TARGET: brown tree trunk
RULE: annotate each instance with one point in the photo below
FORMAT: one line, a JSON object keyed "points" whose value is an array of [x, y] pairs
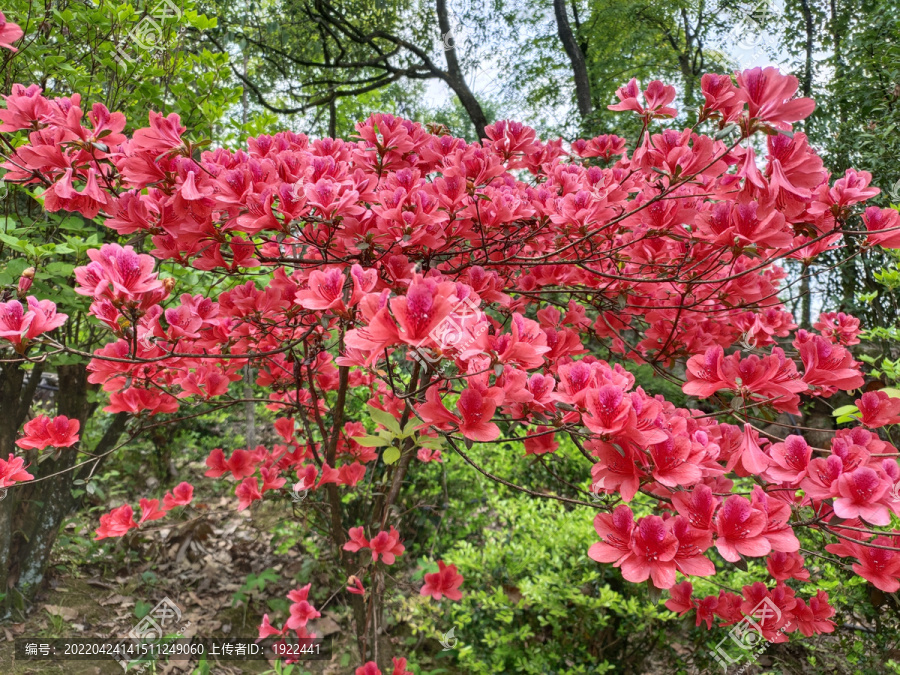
{"points": [[31, 514], [455, 79], [806, 83], [576, 57]]}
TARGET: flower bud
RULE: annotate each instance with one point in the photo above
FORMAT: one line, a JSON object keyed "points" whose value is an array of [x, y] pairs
{"points": [[25, 281]]}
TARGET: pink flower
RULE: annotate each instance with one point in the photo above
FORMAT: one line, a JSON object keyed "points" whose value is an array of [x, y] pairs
{"points": [[60, 432], [329, 475], [423, 310], [163, 135], [271, 479], [789, 460], [12, 471], [266, 629], [477, 411], [778, 532], [674, 463], [355, 585], [703, 376], [657, 95], [150, 510], [653, 549], [240, 464], [721, 96], [615, 531], [689, 559], [770, 622], [877, 409], [821, 477], [617, 470], [878, 565], [284, 426], [783, 566], [25, 281], [369, 668], [325, 291], [247, 492], [609, 410], [813, 618], [433, 412], [860, 493], [706, 610], [387, 545], [118, 273], [9, 33], [63, 195], [20, 327], [680, 600], [24, 106], [604, 146], [351, 474], [45, 317], [543, 442], [749, 460], [399, 666], [698, 506], [769, 95], [116, 523], [357, 540], [301, 611], [739, 530], [446, 581], [427, 455], [829, 366], [839, 327], [181, 495], [883, 226]]}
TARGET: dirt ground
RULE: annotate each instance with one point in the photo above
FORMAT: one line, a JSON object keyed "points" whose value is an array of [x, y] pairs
{"points": [[199, 565]]}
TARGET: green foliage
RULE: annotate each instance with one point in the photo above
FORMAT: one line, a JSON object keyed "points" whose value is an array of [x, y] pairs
{"points": [[77, 48], [254, 584], [533, 601]]}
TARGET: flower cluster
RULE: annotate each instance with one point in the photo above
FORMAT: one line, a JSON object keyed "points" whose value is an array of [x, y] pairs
{"points": [[464, 292], [120, 520], [729, 608], [60, 432], [21, 326]]}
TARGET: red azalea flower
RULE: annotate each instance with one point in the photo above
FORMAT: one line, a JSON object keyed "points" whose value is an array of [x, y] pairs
{"points": [[116, 523], [445, 582]]}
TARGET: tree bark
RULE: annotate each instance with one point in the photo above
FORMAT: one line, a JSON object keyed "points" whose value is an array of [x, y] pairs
{"points": [[808, 48], [454, 75], [806, 87], [31, 514], [576, 57]]}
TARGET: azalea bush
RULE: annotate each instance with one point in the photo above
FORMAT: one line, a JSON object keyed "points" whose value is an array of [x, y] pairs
{"points": [[402, 295]]}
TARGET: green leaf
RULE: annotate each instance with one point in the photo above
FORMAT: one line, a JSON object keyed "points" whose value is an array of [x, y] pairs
{"points": [[430, 442], [385, 419], [142, 608], [844, 410], [372, 441], [391, 455]]}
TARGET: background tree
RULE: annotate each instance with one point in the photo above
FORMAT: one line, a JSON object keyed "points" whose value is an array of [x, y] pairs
{"points": [[75, 47]]}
